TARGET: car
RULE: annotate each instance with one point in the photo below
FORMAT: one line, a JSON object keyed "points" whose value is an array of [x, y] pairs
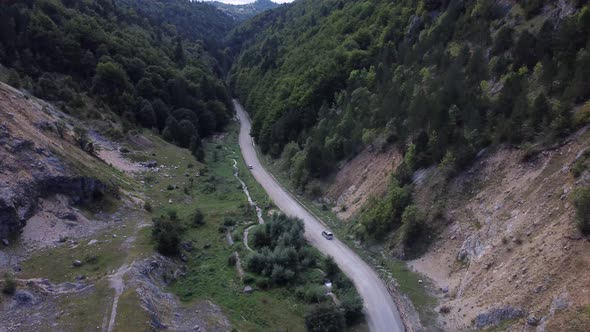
{"points": [[250, 167], [328, 235]]}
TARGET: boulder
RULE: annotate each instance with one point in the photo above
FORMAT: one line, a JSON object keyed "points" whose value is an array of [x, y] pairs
{"points": [[76, 263], [248, 290]]}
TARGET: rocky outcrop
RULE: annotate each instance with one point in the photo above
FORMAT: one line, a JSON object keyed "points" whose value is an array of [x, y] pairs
{"points": [[496, 316], [19, 203]]}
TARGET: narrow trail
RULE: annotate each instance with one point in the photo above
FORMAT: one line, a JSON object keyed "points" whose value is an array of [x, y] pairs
{"points": [[118, 284], [246, 232]]}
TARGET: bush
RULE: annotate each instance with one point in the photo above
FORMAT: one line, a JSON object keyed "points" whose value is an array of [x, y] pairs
{"points": [[9, 284], [147, 206], [166, 234], [330, 267], [324, 318], [312, 293], [412, 225], [582, 204], [198, 218], [352, 305]]}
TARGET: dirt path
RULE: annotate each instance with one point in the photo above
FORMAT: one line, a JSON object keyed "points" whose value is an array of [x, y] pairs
{"points": [[380, 310], [118, 284], [246, 232]]}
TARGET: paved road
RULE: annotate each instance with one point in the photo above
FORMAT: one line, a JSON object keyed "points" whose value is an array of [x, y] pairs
{"points": [[380, 310]]}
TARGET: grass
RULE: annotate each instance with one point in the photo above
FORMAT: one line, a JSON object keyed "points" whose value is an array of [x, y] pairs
{"points": [[217, 193], [99, 259], [407, 280]]}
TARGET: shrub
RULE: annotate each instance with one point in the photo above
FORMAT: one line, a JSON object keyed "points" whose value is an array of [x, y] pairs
{"points": [[61, 128], [412, 225], [352, 305], [198, 218], [147, 206], [166, 234], [231, 260], [312, 293], [9, 284], [330, 267], [324, 318], [582, 204], [173, 214]]}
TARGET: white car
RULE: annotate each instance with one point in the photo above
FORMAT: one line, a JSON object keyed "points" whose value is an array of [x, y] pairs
{"points": [[250, 167], [328, 235]]}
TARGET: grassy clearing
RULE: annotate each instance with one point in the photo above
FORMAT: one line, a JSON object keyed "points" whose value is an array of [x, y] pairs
{"points": [[217, 193], [130, 317], [407, 280], [98, 259]]}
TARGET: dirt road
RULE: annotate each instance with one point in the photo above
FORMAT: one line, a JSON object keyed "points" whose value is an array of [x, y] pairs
{"points": [[380, 310]]}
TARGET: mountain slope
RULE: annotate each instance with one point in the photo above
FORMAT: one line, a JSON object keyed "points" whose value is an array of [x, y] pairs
{"points": [[122, 61], [245, 11], [328, 78]]}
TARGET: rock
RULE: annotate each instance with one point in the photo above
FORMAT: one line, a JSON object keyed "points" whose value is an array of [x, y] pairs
{"points": [[420, 281], [532, 320], [497, 315], [5, 242], [17, 268], [183, 258], [80, 277], [207, 246], [188, 246], [76, 263], [444, 290], [248, 290], [23, 298], [150, 164]]}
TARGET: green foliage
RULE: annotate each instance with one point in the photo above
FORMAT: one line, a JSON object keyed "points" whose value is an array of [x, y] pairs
{"points": [[9, 284], [322, 82], [385, 214], [142, 61], [352, 305], [166, 233], [324, 318], [198, 218], [279, 256], [582, 204], [412, 225]]}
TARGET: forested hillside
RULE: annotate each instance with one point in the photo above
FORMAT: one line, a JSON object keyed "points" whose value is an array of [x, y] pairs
{"points": [[245, 11], [130, 62], [443, 79]]}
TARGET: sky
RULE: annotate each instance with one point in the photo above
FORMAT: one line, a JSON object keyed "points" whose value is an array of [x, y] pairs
{"points": [[241, 2]]}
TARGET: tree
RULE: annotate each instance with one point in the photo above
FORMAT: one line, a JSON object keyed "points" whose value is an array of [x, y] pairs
{"points": [[503, 40], [198, 218], [179, 57], [171, 130], [166, 234], [324, 318], [110, 81], [146, 115]]}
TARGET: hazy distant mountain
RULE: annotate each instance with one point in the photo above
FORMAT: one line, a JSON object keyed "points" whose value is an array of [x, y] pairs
{"points": [[242, 12]]}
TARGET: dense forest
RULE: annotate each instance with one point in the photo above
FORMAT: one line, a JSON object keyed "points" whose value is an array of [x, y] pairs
{"points": [[326, 78], [247, 10], [442, 79], [130, 62]]}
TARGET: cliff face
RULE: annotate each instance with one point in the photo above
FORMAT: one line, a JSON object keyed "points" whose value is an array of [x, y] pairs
{"points": [[31, 165], [504, 248]]}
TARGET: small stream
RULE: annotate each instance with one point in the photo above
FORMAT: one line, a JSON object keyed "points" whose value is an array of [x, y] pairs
{"points": [[245, 189]]}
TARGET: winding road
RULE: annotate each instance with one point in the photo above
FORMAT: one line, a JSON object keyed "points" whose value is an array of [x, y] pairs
{"points": [[380, 310]]}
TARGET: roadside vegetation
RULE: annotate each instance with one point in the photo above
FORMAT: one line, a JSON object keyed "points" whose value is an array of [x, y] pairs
{"points": [[192, 221]]}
